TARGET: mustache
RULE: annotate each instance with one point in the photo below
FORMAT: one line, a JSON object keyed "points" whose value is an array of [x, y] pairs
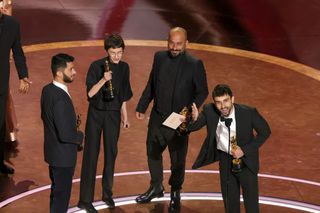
{"points": [[175, 49]]}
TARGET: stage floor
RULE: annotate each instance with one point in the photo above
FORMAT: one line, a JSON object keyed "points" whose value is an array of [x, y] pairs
{"points": [[284, 92]]}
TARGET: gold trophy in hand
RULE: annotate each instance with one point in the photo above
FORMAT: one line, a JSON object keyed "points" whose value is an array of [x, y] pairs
{"points": [[108, 90], [78, 123], [186, 112], [236, 162]]}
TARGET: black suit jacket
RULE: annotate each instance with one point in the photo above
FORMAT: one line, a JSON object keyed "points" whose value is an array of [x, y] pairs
{"points": [[10, 39], [61, 137], [191, 83], [247, 120]]}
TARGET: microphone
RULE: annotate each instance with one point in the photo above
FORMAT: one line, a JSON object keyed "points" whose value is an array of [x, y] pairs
{"points": [[227, 121]]}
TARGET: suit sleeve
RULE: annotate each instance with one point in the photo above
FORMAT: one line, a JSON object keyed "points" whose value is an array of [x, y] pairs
{"points": [[263, 131], [147, 95], [65, 124], [199, 123], [18, 55], [92, 77], [200, 84]]}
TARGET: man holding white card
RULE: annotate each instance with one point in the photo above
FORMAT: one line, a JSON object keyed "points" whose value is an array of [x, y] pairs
{"points": [[177, 80]]}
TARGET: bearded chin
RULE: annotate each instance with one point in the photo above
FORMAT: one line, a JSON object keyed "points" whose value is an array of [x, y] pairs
{"points": [[66, 79], [175, 54]]}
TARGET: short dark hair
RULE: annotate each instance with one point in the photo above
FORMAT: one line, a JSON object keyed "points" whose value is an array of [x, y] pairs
{"points": [[60, 61], [221, 90], [113, 41]]}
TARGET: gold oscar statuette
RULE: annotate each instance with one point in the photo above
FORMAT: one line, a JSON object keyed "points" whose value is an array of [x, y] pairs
{"points": [[108, 90], [78, 123], [236, 162], [182, 129]]}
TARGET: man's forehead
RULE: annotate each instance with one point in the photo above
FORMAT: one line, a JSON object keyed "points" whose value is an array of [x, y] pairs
{"points": [[115, 49], [223, 97]]}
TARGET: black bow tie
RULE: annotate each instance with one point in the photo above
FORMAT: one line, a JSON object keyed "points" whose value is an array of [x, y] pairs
{"points": [[227, 121]]}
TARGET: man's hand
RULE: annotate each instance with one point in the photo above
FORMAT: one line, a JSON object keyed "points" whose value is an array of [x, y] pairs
{"points": [[139, 115], [195, 112], [6, 7], [125, 124], [24, 85], [237, 153], [107, 75]]}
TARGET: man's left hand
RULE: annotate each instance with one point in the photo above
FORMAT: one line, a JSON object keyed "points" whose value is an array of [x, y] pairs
{"points": [[237, 153]]}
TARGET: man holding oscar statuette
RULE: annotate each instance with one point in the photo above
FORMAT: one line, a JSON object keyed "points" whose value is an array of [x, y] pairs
{"points": [[108, 90], [177, 79], [230, 129], [61, 134]]}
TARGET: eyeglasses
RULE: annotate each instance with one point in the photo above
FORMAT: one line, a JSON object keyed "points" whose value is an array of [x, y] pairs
{"points": [[116, 53]]}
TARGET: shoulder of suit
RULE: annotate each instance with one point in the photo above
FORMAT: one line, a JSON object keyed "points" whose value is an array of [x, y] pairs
{"points": [[244, 107], [209, 107], [162, 53], [191, 58], [51, 88], [47, 87]]}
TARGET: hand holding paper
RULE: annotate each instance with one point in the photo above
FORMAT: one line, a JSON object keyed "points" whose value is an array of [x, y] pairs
{"points": [[174, 120]]}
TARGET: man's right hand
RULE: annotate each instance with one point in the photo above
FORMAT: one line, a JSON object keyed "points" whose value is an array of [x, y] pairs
{"points": [[107, 75], [195, 112], [24, 85], [139, 115]]}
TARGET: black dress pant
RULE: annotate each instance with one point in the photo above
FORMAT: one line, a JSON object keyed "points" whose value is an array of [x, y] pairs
{"points": [[61, 184], [3, 109], [99, 121], [159, 137], [246, 179]]}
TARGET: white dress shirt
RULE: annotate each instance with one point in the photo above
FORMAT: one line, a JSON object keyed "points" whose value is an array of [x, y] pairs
{"points": [[62, 86], [222, 134]]}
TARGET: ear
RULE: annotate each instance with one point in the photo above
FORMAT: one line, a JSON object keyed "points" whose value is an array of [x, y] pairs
{"points": [[232, 99], [59, 73], [187, 43]]}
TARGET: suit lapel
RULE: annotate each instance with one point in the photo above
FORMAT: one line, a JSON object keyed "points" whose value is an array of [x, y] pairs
{"points": [[239, 119], [214, 118]]}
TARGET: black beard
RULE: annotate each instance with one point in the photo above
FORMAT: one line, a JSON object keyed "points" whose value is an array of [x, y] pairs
{"points": [[176, 55], [66, 79]]}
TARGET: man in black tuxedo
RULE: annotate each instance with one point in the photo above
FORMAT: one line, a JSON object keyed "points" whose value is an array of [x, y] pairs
{"points": [[177, 79], [222, 117], [61, 137], [9, 39]]}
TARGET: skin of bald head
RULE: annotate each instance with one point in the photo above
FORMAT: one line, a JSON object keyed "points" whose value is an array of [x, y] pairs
{"points": [[177, 41]]}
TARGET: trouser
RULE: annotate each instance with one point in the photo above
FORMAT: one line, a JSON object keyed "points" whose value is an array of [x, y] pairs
{"points": [[159, 137], [230, 186], [61, 184], [11, 120], [3, 107], [109, 123]]}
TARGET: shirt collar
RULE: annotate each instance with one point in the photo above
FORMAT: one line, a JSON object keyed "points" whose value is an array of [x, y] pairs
{"points": [[61, 86]]}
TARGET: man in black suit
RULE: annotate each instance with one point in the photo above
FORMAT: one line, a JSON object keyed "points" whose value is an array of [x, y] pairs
{"points": [[177, 79], [9, 39], [61, 137], [222, 118]]}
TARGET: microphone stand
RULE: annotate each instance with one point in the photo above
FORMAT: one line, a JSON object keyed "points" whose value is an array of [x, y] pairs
{"points": [[228, 122]]}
